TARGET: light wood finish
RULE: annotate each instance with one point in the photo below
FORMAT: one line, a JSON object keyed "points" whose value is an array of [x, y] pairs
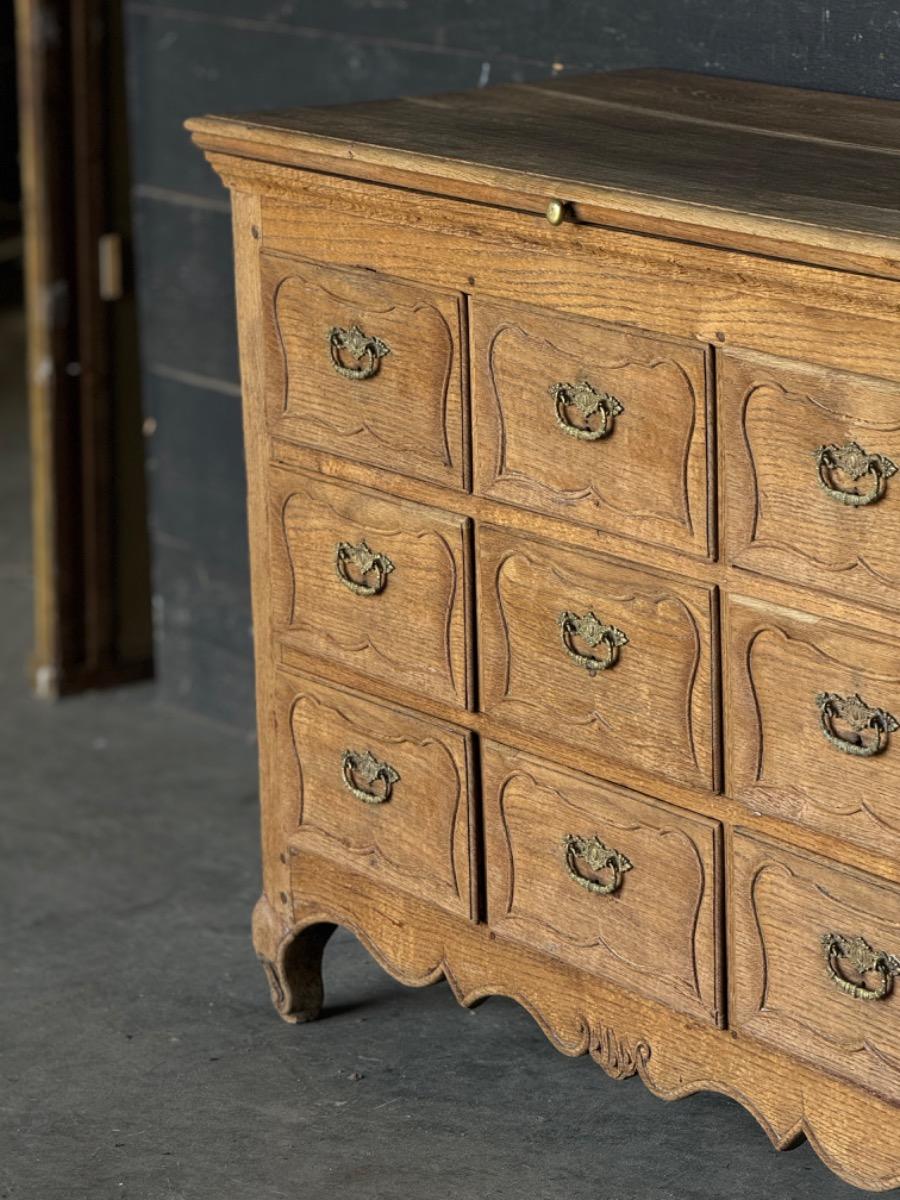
{"points": [[779, 663], [646, 477], [409, 412], [414, 631], [772, 257], [782, 991], [657, 932], [779, 518], [415, 831], [716, 160], [624, 1034], [652, 707]]}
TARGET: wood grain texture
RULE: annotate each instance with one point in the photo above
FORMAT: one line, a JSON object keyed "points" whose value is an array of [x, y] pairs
{"points": [[653, 707], [813, 181], [833, 318], [418, 837], [416, 630], [410, 412], [625, 1034], [657, 933], [647, 478], [779, 760], [597, 631], [781, 992], [779, 519]]}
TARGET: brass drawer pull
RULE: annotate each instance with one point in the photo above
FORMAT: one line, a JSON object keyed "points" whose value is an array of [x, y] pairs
{"points": [[363, 767], [365, 350], [854, 462], [594, 633], [859, 719], [597, 858], [366, 562], [863, 960], [588, 403]]}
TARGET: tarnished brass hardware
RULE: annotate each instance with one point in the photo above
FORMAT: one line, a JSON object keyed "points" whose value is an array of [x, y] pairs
{"points": [[860, 719], [359, 766], [589, 403], [556, 212], [862, 960], [366, 562], [597, 858], [367, 351], [594, 633], [856, 463]]}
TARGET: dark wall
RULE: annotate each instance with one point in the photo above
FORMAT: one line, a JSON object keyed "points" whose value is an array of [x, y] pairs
{"points": [[221, 55]]}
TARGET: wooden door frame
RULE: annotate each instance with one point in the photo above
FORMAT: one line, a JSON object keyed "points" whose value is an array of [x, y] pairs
{"points": [[91, 564]]}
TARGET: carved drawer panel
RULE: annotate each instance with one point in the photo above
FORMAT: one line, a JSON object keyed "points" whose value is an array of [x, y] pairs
{"points": [[816, 961], [809, 462], [811, 731], [600, 425], [615, 883], [366, 367], [378, 789], [613, 661], [377, 585]]}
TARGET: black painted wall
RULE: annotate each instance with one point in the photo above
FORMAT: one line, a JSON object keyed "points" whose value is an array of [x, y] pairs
{"points": [[194, 56]]}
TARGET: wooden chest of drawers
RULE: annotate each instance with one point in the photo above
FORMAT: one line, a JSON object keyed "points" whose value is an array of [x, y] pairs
{"points": [[572, 413]]}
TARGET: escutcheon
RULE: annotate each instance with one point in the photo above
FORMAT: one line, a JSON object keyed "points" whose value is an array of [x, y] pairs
{"points": [[367, 564], [592, 631], [366, 351], [367, 777], [596, 411], [852, 726], [862, 961], [856, 464], [598, 858]]}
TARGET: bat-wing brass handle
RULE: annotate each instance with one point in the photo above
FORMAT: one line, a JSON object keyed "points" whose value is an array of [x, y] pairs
{"points": [[855, 464], [852, 726], [360, 569], [584, 413], [862, 961], [599, 859], [367, 777], [352, 344]]}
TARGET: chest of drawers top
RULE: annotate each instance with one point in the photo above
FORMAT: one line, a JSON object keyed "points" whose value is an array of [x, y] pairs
{"points": [[809, 175], [572, 415]]}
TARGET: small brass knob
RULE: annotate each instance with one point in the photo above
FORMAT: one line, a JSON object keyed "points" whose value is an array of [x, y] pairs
{"points": [[556, 212]]}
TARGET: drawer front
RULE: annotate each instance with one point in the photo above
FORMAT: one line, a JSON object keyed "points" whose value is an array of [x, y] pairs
{"points": [[596, 424], [802, 930], [378, 790], [811, 730], [810, 494], [377, 585], [611, 882], [366, 367], [612, 661]]}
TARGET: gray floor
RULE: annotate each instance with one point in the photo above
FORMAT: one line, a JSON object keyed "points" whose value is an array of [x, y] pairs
{"points": [[140, 1056]]}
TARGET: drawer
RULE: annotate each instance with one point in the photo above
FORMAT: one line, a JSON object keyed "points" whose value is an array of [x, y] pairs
{"points": [[377, 585], [377, 789], [612, 661], [603, 426], [614, 883], [809, 490], [815, 962], [366, 367], [810, 731]]}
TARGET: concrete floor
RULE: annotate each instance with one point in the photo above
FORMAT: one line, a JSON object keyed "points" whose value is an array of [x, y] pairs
{"points": [[140, 1057]]}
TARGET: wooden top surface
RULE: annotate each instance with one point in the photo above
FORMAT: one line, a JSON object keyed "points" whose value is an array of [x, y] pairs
{"points": [[810, 172]]}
